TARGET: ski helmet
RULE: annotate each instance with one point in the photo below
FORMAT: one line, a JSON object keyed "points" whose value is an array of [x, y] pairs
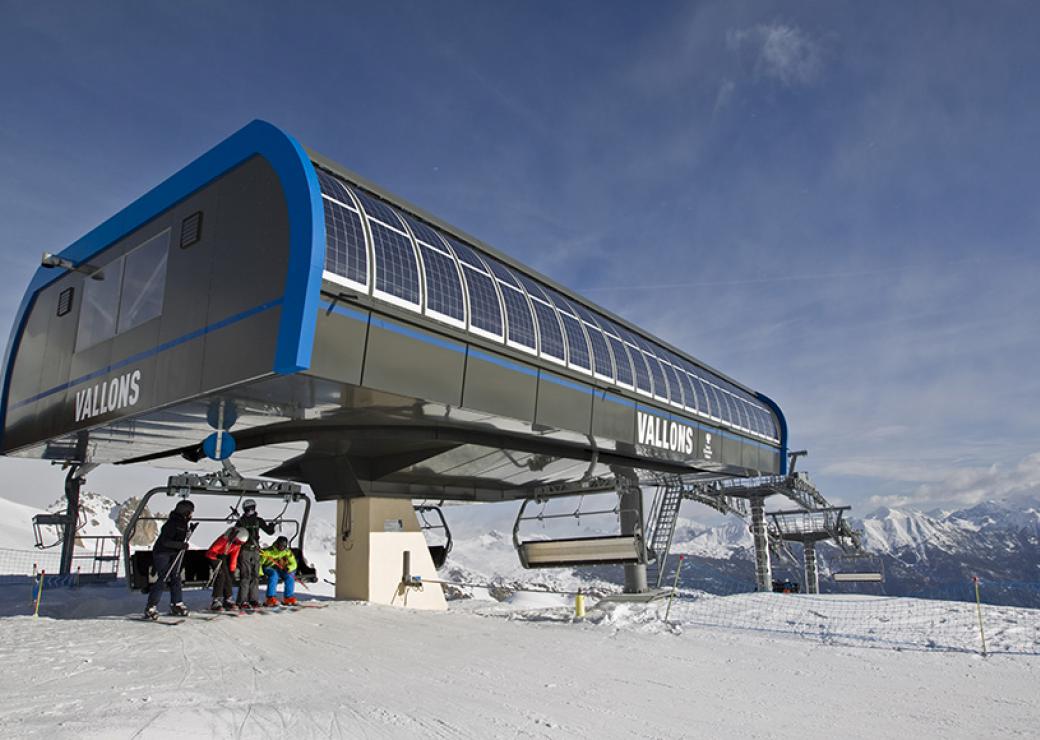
{"points": [[240, 534], [281, 542], [248, 504], [184, 507]]}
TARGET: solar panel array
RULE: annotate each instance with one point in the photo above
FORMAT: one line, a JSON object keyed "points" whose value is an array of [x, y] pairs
{"points": [[374, 247]]}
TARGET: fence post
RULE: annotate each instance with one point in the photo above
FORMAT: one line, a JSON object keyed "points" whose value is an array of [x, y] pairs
{"points": [[39, 594], [978, 606], [675, 586]]}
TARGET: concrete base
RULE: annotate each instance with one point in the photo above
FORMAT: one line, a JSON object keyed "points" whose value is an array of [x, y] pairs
{"points": [[369, 561]]}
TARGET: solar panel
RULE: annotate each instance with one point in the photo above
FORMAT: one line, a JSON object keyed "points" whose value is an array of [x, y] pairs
{"points": [[622, 363], [519, 320], [424, 233], [466, 254], [661, 385], [577, 345], [502, 272], [443, 284], [600, 354], [534, 289], [549, 335], [333, 188], [485, 313], [378, 209], [674, 384], [345, 252], [396, 271]]}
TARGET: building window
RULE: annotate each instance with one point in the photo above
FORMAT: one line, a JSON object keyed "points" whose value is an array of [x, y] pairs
{"points": [[144, 277], [124, 293]]}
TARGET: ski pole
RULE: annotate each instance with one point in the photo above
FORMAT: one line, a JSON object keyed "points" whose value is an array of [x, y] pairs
{"points": [[180, 556]]}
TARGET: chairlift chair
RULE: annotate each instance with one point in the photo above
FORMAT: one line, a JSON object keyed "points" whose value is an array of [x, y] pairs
{"points": [[431, 519], [859, 567], [567, 552], [196, 568]]}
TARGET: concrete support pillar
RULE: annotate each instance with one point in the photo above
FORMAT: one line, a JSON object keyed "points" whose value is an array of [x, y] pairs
{"points": [[812, 576], [381, 536], [763, 568], [630, 503]]}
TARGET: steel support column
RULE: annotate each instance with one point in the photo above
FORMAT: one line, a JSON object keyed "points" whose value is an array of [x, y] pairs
{"points": [[763, 568], [630, 509], [73, 483], [812, 576]]}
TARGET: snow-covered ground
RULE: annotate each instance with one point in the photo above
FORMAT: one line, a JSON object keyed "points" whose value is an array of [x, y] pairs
{"points": [[485, 669]]}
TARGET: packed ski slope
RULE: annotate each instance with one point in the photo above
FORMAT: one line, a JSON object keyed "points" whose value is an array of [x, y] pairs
{"points": [[483, 669]]}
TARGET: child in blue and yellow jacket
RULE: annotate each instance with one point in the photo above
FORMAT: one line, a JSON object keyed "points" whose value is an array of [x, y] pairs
{"points": [[279, 563]]}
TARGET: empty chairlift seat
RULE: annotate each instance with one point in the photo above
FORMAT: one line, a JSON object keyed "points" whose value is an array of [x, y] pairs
{"points": [[616, 549]]}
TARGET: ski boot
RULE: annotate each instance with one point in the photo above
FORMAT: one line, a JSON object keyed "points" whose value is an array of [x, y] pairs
{"points": [[255, 605], [216, 606], [289, 601], [271, 601], [230, 605], [151, 613], [179, 609]]}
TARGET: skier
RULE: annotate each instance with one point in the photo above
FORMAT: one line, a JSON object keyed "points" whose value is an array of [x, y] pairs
{"points": [[249, 558], [224, 552], [279, 563], [173, 539]]}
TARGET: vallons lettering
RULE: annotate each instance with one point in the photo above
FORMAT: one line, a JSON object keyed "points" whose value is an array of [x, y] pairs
{"points": [[665, 434], [109, 395]]}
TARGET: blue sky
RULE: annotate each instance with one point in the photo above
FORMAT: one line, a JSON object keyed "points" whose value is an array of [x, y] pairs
{"points": [[835, 203]]}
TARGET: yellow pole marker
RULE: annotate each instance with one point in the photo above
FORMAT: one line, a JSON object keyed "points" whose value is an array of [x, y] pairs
{"points": [[675, 587], [39, 595], [978, 605], [579, 605]]}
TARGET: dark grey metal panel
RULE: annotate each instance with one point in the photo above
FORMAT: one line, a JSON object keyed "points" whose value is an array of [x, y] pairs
{"points": [[501, 387], [241, 351], [730, 451], [749, 455], [613, 417], [251, 256], [563, 405], [178, 370], [339, 345], [398, 361]]}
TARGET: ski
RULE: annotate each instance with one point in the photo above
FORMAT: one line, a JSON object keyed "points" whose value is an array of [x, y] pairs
{"points": [[158, 620]]}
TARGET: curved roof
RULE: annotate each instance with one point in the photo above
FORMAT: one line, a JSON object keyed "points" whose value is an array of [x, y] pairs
{"points": [[395, 253]]}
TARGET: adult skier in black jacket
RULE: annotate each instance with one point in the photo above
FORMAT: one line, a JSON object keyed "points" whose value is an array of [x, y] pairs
{"points": [[173, 537], [249, 556]]}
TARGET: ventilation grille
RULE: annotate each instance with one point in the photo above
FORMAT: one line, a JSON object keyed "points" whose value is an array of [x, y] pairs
{"points": [[191, 229], [65, 301]]}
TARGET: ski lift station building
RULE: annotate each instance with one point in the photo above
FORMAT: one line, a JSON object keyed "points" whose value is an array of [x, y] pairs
{"points": [[266, 302]]}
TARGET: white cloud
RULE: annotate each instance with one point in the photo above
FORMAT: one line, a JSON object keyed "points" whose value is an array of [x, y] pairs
{"points": [[969, 486], [781, 52]]}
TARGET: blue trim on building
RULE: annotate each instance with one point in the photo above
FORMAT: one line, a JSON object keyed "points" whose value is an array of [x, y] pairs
{"points": [[138, 357], [416, 334], [563, 382], [502, 362], [783, 429], [341, 310], [306, 229]]}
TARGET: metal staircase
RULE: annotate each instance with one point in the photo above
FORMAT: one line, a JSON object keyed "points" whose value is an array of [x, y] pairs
{"points": [[664, 515]]}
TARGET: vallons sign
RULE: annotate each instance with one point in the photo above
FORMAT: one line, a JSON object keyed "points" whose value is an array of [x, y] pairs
{"points": [[109, 395], [666, 434]]}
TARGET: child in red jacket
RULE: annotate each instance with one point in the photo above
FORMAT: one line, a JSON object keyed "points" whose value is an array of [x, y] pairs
{"points": [[224, 551]]}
